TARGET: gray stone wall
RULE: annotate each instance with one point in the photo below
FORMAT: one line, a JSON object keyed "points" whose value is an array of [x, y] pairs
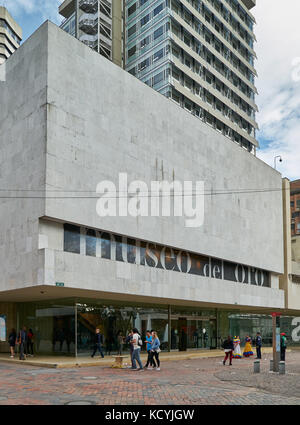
{"points": [[23, 97], [103, 121], [72, 119]]}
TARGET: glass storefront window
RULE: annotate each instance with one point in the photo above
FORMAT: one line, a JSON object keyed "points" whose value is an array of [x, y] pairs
{"points": [[193, 328], [58, 325], [243, 324], [52, 323], [115, 319]]}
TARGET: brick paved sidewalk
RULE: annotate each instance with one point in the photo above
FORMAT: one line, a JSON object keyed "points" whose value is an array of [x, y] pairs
{"points": [[287, 385], [189, 382]]}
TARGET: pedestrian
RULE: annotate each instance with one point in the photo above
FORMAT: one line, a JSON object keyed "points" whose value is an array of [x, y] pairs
{"points": [[237, 354], [282, 346], [30, 342], [12, 342], [248, 348], [137, 343], [128, 341], [150, 359], [228, 349], [155, 349], [120, 341], [22, 340], [258, 343], [98, 343]]}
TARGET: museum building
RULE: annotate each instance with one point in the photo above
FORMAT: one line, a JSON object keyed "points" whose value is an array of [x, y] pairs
{"points": [[65, 270]]}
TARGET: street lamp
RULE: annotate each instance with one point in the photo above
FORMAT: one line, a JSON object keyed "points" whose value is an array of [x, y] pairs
{"points": [[275, 158]]}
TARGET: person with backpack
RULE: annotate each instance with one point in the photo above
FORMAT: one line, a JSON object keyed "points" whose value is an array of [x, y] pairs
{"points": [[282, 346], [136, 343], [228, 349]]}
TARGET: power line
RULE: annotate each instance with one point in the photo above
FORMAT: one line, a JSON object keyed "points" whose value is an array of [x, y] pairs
{"points": [[117, 191], [141, 194]]}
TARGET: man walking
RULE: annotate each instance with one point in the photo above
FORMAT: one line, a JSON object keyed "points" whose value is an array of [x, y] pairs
{"points": [[136, 342], [98, 343], [282, 346], [22, 343], [128, 341], [258, 343]]}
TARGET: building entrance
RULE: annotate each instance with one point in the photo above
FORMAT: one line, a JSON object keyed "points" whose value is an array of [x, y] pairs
{"points": [[189, 332]]}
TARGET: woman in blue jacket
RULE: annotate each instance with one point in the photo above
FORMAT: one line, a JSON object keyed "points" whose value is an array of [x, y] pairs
{"points": [[155, 349]]}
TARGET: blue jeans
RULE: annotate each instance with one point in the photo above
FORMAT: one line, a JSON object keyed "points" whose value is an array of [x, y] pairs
{"points": [[98, 347], [136, 356], [258, 352]]}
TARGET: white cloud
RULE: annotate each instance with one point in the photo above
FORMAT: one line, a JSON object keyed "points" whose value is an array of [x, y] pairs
{"points": [[278, 50], [47, 9]]}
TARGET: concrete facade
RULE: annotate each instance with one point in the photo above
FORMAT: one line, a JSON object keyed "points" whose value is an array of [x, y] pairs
{"points": [[59, 143]]}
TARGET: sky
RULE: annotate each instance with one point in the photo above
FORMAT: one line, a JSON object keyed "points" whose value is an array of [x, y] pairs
{"points": [[278, 67]]}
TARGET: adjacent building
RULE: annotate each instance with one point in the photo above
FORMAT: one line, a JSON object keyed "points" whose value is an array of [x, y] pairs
{"points": [[66, 270], [295, 223], [10, 35], [97, 23], [200, 54], [290, 280]]}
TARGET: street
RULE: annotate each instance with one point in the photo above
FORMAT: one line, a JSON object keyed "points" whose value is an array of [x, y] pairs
{"points": [[188, 382]]}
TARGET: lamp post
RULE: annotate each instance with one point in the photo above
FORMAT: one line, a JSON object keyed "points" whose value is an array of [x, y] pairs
{"points": [[275, 158]]}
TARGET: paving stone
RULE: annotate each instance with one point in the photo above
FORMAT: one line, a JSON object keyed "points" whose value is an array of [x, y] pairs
{"points": [[203, 381]]}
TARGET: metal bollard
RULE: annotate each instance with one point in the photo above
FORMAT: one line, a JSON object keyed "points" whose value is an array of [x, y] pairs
{"points": [[256, 366], [271, 365], [281, 368]]}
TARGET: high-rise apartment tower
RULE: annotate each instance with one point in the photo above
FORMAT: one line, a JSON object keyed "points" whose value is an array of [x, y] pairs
{"points": [[97, 23], [200, 54], [10, 35]]}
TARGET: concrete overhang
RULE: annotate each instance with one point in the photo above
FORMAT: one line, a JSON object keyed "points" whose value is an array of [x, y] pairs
{"points": [[249, 3], [51, 293], [67, 8]]}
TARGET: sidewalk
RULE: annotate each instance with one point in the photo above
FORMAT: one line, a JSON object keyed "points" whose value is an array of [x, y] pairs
{"points": [[60, 362]]}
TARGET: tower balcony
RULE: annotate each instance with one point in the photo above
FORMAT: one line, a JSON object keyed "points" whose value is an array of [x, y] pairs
{"points": [[89, 26], [249, 3], [88, 6]]}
